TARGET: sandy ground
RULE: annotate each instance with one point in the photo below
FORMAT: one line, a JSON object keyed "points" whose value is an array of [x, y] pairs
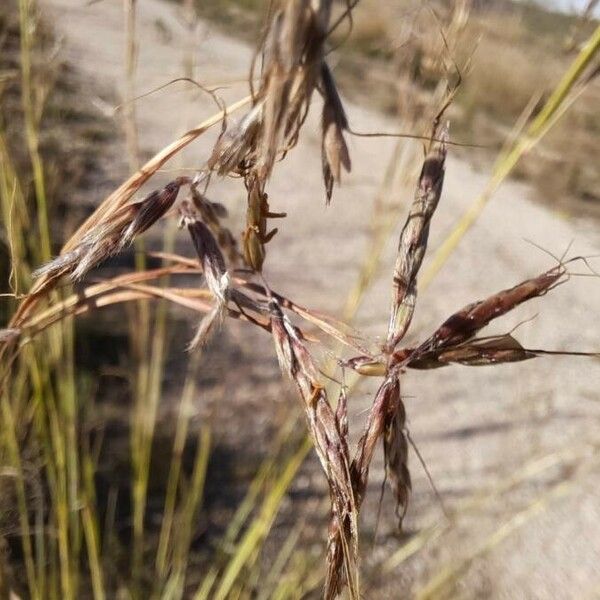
{"points": [[474, 427]]}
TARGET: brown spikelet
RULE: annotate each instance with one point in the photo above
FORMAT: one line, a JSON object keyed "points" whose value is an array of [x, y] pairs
{"points": [[382, 417], [385, 404], [395, 453], [212, 213], [234, 148], [330, 445], [214, 269], [334, 151], [292, 53], [334, 580], [478, 352], [112, 235], [293, 49], [413, 242], [151, 209], [465, 323]]}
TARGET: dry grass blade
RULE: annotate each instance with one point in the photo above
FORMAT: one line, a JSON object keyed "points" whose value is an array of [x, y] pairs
{"points": [[126, 288]]}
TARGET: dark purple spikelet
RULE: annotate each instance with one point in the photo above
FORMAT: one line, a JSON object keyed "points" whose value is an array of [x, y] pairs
{"points": [[152, 208], [215, 273]]}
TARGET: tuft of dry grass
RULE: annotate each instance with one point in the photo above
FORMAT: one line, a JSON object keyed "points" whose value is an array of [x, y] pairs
{"points": [[293, 55]]}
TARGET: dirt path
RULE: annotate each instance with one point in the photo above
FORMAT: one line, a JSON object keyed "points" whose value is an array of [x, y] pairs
{"points": [[475, 427]]}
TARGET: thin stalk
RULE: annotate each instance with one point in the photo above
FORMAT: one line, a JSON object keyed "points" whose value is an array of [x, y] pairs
{"points": [[30, 110], [192, 501], [263, 522], [183, 419], [91, 533], [12, 446]]}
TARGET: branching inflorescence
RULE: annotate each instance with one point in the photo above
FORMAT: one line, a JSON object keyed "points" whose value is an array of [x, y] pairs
{"points": [[293, 66]]}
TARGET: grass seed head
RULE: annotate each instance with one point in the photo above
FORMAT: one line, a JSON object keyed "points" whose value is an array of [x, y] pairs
{"points": [[413, 241], [112, 235], [214, 269], [334, 151]]}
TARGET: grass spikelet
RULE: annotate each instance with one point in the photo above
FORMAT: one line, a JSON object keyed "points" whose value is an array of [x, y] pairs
{"points": [[330, 445], [413, 242], [214, 269], [334, 150], [111, 236], [212, 213], [465, 323], [395, 454]]}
